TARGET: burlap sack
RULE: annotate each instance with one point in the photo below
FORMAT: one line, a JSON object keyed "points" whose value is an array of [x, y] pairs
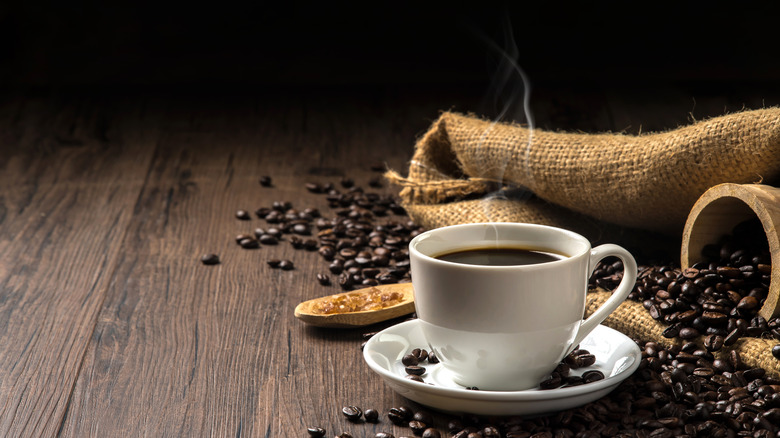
{"points": [[648, 181]]}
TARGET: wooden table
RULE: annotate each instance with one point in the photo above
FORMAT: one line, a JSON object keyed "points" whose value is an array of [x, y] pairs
{"points": [[109, 323]]}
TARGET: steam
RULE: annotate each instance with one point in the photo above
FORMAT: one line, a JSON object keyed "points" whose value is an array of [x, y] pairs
{"points": [[510, 92]]}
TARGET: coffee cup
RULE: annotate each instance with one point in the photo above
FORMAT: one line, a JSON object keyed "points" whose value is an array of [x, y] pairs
{"points": [[501, 304]]}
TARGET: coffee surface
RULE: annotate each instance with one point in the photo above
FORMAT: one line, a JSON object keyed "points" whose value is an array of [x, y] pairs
{"points": [[500, 256]]}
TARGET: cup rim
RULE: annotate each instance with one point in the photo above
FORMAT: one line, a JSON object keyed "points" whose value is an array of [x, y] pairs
{"points": [[431, 259]]}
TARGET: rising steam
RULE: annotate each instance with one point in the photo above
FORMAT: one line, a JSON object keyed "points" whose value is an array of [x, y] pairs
{"points": [[510, 93]]}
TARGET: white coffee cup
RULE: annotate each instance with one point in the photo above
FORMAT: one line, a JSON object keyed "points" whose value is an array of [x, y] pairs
{"points": [[507, 327]]}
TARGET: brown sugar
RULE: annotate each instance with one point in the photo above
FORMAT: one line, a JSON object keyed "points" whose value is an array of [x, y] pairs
{"points": [[358, 301]]}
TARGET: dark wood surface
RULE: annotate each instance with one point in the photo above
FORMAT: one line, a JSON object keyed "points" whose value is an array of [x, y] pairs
{"points": [[109, 323]]}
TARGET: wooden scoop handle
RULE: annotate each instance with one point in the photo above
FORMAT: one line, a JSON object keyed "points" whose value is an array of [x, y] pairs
{"points": [[721, 208]]}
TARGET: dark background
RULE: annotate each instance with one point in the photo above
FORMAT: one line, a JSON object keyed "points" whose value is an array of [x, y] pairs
{"points": [[244, 47]]}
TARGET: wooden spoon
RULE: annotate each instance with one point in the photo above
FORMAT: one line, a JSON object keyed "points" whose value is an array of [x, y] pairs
{"points": [[305, 310]]}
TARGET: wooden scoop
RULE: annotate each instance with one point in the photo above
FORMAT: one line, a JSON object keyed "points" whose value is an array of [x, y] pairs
{"points": [[306, 311], [721, 208]]}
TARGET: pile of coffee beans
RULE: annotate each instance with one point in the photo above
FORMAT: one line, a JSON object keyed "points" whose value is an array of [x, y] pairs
{"points": [[413, 361], [682, 391], [561, 377], [718, 297]]}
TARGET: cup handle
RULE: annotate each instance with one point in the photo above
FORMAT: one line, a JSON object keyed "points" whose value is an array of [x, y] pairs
{"points": [[618, 296]]}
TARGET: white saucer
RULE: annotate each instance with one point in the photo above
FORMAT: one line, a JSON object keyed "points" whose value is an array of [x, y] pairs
{"points": [[617, 356]]}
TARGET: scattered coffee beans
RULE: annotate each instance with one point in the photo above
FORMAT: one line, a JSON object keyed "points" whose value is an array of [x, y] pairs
{"points": [[358, 247]]}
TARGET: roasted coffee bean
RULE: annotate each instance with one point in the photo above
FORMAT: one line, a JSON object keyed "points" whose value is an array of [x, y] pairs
{"points": [[353, 413], [415, 370], [551, 383], [776, 351], [266, 181], [241, 237], [249, 244], [688, 333], [316, 432], [286, 265], [410, 360], [423, 416], [323, 279], [431, 433], [581, 360], [301, 229], [337, 267], [417, 427], [399, 415], [274, 263], [209, 259], [371, 415], [384, 435], [713, 342], [268, 239], [243, 215], [592, 376]]}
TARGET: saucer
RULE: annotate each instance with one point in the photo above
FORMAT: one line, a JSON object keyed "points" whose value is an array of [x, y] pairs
{"points": [[617, 356]]}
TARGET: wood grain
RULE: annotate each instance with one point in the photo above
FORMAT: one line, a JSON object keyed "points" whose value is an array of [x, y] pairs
{"points": [[109, 323]]}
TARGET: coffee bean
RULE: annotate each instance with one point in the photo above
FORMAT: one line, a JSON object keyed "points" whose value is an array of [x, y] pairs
{"points": [[688, 333], [249, 244], [417, 427], [371, 415], [551, 383], [454, 425], [399, 415], [209, 259], [266, 181], [592, 376], [415, 370], [410, 360], [323, 279], [580, 360], [243, 215], [713, 342], [286, 265], [241, 237], [268, 239], [431, 433], [316, 432], [353, 413], [384, 435], [274, 263], [776, 351]]}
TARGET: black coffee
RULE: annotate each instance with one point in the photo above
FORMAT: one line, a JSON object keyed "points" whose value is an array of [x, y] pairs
{"points": [[501, 256]]}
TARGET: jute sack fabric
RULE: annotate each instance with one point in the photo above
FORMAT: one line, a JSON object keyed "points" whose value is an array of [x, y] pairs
{"points": [[633, 320], [648, 181]]}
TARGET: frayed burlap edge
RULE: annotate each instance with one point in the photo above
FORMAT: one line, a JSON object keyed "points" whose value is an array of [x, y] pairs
{"points": [[632, 319], [646, 181]]}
